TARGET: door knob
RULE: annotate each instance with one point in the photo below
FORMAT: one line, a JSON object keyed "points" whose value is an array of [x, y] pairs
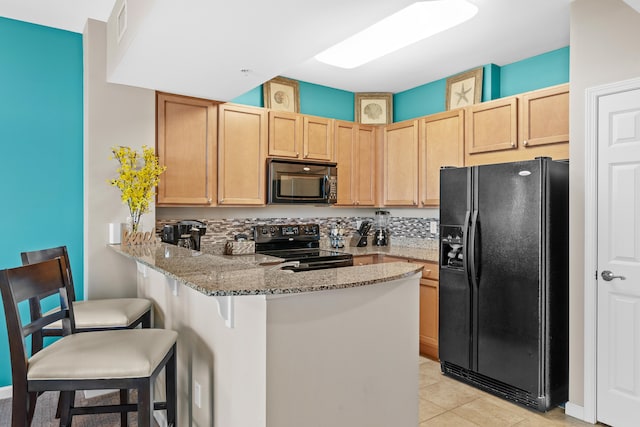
{"points": [[608, 276]]}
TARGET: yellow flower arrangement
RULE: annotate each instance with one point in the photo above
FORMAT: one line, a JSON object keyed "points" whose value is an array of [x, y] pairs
{"points": [[138, 177]]}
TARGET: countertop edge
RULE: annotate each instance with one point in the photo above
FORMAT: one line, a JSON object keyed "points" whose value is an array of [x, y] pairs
{"points": [[406, 270]]}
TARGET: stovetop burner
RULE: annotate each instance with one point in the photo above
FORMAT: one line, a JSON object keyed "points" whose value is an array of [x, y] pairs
{"points": [[299, 242]]}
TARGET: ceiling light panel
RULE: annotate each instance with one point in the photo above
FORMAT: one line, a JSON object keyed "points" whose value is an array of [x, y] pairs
{"points": [[411, 24]]}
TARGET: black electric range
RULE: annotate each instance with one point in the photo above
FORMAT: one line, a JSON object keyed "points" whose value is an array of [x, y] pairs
{"points": [[299, 242]]}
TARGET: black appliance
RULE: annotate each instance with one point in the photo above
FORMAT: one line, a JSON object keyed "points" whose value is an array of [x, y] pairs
{"points": [[184, 233], [296, 182], [299, 242], [503, 295]]}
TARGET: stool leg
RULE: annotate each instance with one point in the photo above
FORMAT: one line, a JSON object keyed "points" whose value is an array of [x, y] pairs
{"points": [[124, 399], [170, 384], [146, 320], [145, 404], [65, 403]]}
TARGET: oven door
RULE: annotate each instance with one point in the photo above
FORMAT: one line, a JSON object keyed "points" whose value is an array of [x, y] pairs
{"points": [[299, 182]]}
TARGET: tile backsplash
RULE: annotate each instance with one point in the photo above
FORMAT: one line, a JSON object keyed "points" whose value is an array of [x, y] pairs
{"points": [[402, 229]]}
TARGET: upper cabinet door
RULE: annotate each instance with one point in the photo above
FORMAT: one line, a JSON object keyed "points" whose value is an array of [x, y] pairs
{"points": [[186, 145], [285, 134], [365, 161], [545, 116], [318, 138], [400, 164], [242, 145], [441, 144], [355, 153], [493, 126], [345, 146]]}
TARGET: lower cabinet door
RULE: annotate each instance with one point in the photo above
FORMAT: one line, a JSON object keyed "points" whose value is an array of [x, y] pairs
{"points": [[429, 318]]}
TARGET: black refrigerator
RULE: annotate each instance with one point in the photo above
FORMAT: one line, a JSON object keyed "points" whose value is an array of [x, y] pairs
{"points": [[503, 297]]}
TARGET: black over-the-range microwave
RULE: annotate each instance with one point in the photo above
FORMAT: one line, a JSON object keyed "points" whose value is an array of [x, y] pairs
{"points": [[293, 181]]}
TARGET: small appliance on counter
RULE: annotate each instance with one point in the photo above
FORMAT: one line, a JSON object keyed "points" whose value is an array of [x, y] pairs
{"points": [[361, 238], [185, 233], [381, 228]]}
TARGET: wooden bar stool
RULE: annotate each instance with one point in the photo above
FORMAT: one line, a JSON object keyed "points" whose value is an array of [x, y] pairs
{"points": [[116, 359], [99, 314], [94, 315]]}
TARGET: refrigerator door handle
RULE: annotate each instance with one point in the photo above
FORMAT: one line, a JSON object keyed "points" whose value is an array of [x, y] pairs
{"points": [[471, 251], [465, 243]]}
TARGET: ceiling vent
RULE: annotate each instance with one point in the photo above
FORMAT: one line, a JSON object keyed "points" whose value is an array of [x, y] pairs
{"points": [[122, 20]]}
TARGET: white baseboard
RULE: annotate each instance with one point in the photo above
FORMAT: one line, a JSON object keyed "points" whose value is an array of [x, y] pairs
{"points": [[573, 410], [6, 392]]}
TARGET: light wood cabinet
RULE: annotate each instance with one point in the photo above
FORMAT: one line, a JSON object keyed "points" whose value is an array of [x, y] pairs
{"points": [[317, 138], [400, 164], [242, 146], [522, 127], [545, 122], [492, 131], [186, 145], [441, 144], [285, 134], [355, 147], [297, 136], [429, 291]]}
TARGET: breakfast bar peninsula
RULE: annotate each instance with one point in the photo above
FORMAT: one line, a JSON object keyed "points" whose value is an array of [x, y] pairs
{"points": [[263, 347]]}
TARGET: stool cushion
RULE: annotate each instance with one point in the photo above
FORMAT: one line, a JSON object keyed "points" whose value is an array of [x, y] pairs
{"points": [[125, 353], [107, 313]]}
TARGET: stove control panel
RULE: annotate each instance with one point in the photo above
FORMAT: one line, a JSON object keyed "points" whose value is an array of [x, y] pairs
{"points": [[294, 232]]}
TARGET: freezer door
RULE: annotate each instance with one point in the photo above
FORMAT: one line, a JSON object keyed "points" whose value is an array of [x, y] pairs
{"points": [[506, 264], [454, 195], [454, 294], [454, 325]]}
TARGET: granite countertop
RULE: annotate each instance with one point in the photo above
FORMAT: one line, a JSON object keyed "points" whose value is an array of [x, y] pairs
{"points": [[220, 275], [416, 249]]}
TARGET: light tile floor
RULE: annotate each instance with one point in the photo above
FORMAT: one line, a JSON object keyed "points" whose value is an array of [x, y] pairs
{"points": [[448, 402]]}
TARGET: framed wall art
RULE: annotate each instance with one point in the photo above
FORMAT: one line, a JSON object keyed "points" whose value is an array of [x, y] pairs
{"points": [[375, 108], [464, 89], [282, 94]]}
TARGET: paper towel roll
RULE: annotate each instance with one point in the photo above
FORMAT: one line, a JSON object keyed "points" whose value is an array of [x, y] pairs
{"points": [[115, 232]]}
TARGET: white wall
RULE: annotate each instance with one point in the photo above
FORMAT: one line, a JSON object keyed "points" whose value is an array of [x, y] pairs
{"points": [[113, 115], [604, 49]]}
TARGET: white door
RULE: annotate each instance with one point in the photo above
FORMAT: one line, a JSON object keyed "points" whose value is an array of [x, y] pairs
{"points": [[618, 240]]}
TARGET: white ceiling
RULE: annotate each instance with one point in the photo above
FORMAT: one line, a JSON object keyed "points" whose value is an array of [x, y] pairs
{"points": [[198, 47]]}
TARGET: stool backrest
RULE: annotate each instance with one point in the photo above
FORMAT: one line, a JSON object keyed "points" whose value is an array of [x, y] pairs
{"points": [[33, 283], [32, 257]]}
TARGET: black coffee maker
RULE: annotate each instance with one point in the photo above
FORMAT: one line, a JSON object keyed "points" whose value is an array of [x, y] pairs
{"points": [[185, 233]]}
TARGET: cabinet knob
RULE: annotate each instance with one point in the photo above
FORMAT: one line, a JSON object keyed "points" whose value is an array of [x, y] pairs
{"points": [[513, 144], [306, 156], [209, 200], [297, 154], [525, 143]]}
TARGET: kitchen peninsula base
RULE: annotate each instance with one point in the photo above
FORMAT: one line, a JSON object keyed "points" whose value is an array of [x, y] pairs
{"points": [[340, 357]]}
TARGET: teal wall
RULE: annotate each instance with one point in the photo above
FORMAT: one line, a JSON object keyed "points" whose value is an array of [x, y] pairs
{"points": [[547, 69], [315, 100], [41, 133]]}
